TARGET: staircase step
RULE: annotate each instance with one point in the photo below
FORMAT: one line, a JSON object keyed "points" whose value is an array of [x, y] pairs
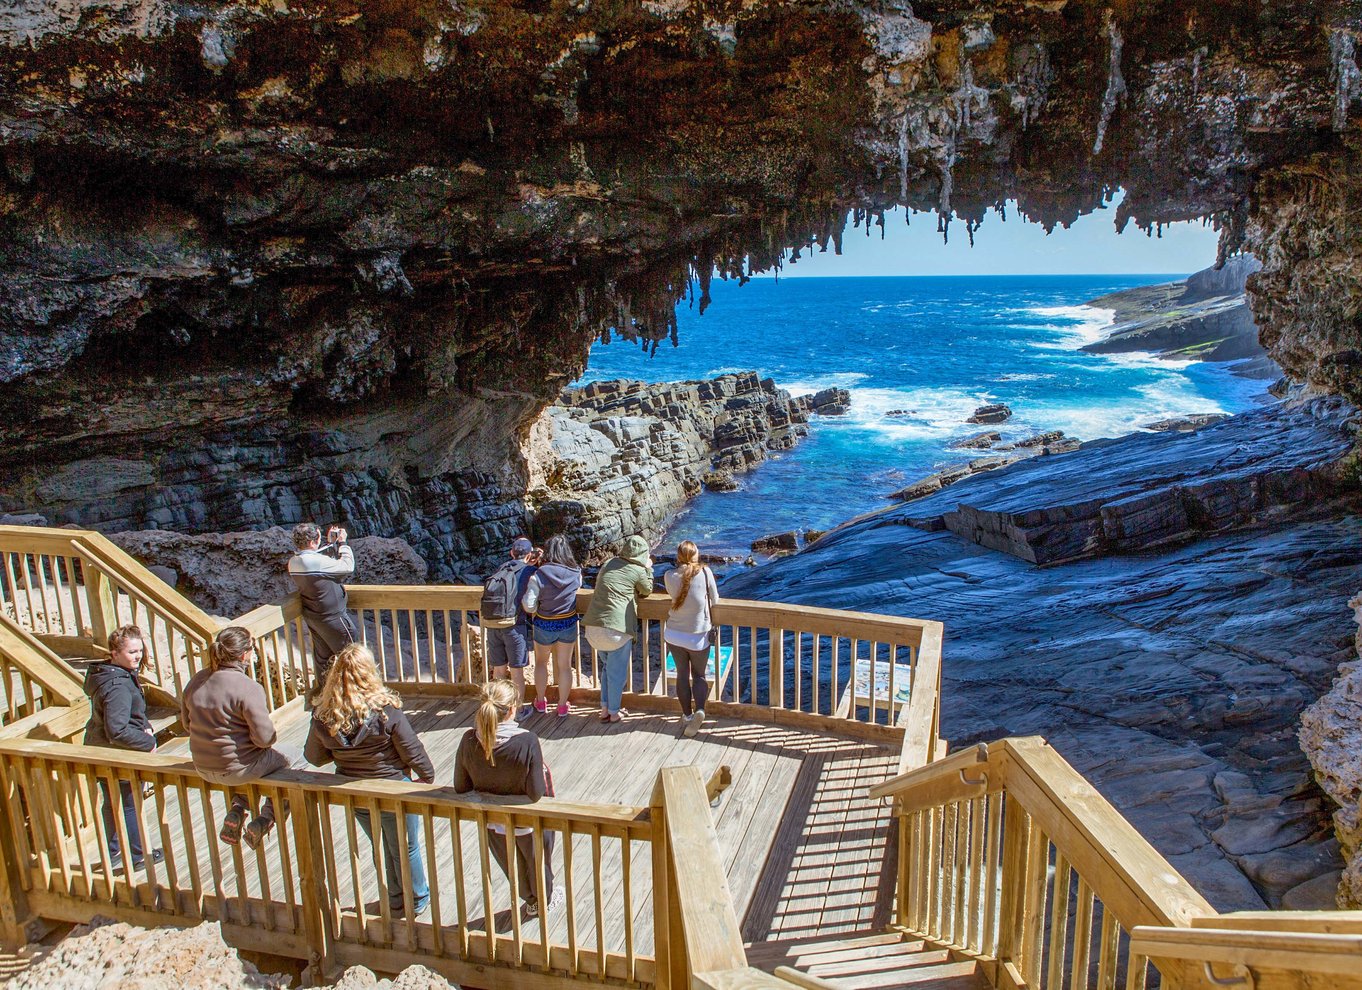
{"points": [[871, 961]]}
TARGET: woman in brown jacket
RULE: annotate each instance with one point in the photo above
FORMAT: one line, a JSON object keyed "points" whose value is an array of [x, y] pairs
{"points": [[231, 737]]}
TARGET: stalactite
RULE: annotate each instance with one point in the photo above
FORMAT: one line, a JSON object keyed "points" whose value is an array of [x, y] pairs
{"points": [[1345, 74], [903, 156], [1116, 84]]}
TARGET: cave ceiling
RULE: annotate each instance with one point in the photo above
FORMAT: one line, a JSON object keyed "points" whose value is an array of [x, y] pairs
{"points": [[233, 214]]}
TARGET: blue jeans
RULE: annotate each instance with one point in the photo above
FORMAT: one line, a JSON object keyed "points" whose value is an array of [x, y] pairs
{"points": [[613, 670], [392, 864], [130, 821]]}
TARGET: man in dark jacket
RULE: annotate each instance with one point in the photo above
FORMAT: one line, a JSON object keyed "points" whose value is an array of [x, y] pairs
{"points": [[118, 719]]}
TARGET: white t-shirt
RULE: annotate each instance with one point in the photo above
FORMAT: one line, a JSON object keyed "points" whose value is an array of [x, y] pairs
{"points": [[689, 625], [602, 639]]}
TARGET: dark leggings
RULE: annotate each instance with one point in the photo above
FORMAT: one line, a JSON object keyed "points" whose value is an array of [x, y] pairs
{"points": [[530, 889], [691, 687]]}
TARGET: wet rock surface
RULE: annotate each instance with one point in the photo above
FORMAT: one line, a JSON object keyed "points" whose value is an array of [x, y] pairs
{"points": [[615, 458], [995, 412], [1173, 678], [1144, 489]]}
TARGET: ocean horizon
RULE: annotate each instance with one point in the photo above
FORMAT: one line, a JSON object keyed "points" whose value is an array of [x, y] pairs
{"points": [[918, 354]]}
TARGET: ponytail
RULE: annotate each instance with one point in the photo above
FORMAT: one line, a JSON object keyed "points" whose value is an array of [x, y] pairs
{"points": [[497, 700], [230, 646], [687, 566]]}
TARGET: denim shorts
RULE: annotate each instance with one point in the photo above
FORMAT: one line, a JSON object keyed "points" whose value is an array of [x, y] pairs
{"points": [[508, 647], [547, 637]]}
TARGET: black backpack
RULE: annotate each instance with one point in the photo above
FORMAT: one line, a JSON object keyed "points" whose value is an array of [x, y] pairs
{"points": [[499, 591]]}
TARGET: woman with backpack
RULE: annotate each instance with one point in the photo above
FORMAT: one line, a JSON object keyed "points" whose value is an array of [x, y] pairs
{"points": [[551, 598], [612, 619], [359, 725], [690, 631]]}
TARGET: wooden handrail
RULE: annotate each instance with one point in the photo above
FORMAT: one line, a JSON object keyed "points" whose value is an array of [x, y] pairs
{"points": [[40, 664], [1319, 922], [1126, 872], [1297, 952], [691, 896], [957, 771], [264, 619], [921, 719], [101, 553]]}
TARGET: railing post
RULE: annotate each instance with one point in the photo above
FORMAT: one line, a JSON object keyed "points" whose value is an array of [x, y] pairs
{"points": [[13, 903], [775, 669], [316, 899], [99, 596], [1016, 836], [666, 921]]}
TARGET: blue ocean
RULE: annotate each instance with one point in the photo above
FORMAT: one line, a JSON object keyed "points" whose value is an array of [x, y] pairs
{"points": [[935, 347]]}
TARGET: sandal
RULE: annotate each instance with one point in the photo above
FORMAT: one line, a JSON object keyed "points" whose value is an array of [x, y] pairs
{"points": [[618, 716]]}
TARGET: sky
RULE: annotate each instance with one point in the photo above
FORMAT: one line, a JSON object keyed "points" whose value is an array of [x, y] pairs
{"points": [[1015, 247]]}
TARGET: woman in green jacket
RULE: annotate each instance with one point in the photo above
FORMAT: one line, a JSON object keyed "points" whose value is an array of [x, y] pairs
{"points": [[612, 619]]}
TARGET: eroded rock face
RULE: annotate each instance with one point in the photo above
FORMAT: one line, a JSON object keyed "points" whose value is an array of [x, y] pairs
{"points": [[1331, 736], [261, 261], [616, 458]]}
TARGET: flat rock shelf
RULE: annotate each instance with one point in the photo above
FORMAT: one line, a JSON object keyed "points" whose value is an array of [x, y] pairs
{"points": [[803, 845]]}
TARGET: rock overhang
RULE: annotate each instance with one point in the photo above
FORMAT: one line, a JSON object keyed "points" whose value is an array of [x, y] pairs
{"points": [[276, 216]]}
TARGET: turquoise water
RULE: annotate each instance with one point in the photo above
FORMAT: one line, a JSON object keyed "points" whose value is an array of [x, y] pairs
{"points": [[935, 346]]}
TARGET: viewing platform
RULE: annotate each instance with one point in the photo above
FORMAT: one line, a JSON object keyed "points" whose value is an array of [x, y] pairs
{"points": [[817, 833]]}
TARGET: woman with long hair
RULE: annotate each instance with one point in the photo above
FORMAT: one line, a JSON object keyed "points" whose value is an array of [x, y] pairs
{"points": [[497, 756], [359, 725], [690, 624], [551, 597], [231, 737]]}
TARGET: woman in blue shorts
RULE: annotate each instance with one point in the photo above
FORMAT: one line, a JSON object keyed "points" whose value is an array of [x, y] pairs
{"points": [[551, 597]]}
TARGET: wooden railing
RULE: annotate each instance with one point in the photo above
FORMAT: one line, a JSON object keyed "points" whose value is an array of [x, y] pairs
{"points": [[309, 893], [32, 677], [1247, 959], [71, 588], [1007, 853]]}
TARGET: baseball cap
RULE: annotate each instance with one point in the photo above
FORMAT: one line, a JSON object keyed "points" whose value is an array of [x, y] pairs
{"points": [[521, 545]]}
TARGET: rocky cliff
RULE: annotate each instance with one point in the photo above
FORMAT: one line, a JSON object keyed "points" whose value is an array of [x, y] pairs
{"points": [[264, 261], [1204, 317], [621, 457]]}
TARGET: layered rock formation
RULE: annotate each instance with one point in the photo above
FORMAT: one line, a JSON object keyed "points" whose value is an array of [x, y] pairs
{"points": [[1205, 317], [260, 262], [1173, 677], [615, 458], [1331, 736]]}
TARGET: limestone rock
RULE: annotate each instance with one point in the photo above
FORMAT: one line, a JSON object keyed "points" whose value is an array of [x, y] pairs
{"points": [[615, 458], [777, 543], [230, 573], [108, 954], [995, 412], [1331, 736], [1184, 424], [979, 440]]}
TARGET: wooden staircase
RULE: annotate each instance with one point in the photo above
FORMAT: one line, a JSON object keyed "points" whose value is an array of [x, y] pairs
{"points": [[868, 961]]}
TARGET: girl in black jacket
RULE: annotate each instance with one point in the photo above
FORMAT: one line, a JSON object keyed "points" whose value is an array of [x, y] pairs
{"points": [[497, 756], [359, 725], [118, 719]]}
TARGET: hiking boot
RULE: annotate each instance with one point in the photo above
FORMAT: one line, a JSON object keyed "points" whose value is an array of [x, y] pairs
{"points": [[232, 823], [254, 833]]}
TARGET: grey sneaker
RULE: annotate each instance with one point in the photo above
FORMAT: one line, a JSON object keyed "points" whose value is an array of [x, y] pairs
{"points": [[694, 722]]}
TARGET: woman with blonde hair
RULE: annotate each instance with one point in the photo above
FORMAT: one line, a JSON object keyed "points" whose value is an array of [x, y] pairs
{"points": [[231, 737], [497, 756], [690, 628], [359, 725]]}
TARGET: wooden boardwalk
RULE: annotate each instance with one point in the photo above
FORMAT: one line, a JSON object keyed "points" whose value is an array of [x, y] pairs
{"points": [[802, 845]]}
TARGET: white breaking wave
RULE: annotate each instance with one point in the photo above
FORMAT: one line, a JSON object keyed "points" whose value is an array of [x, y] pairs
{"points": [[921, 413], [1075, 326], [807, 386]]}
